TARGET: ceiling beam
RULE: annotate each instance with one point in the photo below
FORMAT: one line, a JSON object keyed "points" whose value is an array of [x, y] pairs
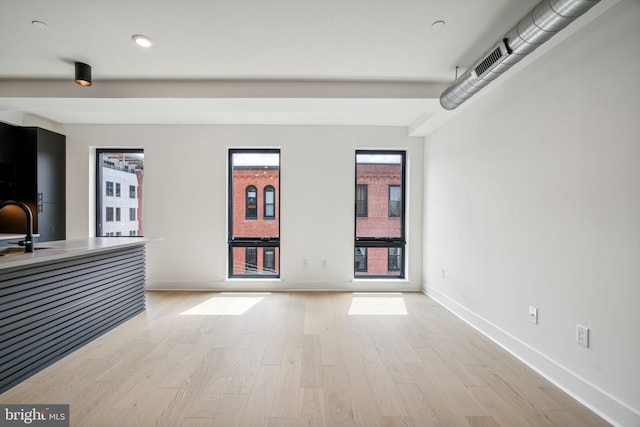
{"points": [[221, 89]]}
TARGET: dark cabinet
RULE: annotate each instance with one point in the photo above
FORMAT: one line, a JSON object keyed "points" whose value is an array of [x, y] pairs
{"points": [[41, 179], [8, 133], [37, 158]]}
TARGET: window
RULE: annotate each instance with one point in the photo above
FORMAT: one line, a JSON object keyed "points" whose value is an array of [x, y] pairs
{"points": [[394, 259], [117, 170], [251, 259], [269, 261], [361, 199], [251, 203], [395, 201], [269, 202], [361, 259], [254, 227], [380, 225]]}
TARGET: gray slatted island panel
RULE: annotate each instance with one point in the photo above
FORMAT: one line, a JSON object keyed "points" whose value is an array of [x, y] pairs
{"points": [[49, 309]]}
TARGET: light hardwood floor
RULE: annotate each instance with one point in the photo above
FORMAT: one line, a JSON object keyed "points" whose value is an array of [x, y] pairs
{"points": [[298, 359]]}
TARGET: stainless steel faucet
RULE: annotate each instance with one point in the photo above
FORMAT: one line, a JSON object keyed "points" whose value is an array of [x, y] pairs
{"points": [[28, 240]]}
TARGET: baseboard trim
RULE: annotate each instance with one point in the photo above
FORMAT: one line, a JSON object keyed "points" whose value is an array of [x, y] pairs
{"points": [[599, 401], [274, 285]]}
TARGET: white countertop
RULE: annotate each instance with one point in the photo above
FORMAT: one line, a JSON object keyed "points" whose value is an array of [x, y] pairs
{"points": [[17, 236], [51, 251]]}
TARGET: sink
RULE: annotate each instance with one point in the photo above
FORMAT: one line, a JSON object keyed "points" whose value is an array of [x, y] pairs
{"points": [[9, 250]]}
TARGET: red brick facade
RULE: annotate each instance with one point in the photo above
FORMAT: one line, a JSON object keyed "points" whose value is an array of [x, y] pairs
{"points": [[378, 178]]}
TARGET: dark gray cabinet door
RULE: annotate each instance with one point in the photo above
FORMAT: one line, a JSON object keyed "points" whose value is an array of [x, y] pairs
{"points": [[51, 222], [51, 167], [41, 176], [51, 185]]}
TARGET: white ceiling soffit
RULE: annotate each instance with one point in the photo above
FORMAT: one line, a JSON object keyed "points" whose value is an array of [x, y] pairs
{"points": [[248, 111], [224, 102]]}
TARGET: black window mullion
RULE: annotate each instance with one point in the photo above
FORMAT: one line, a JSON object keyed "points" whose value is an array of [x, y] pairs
{"points": [[274, 243]]}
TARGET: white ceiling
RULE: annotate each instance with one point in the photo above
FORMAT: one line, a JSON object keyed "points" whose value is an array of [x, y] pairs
{"points": [[371, 62]]}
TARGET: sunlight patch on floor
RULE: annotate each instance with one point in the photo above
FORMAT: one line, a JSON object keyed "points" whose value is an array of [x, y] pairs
{"points": [[378, 304], [226, 304]]}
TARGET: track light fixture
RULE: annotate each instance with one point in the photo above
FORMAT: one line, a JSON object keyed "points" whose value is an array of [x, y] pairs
{"points": [[83, 74]]}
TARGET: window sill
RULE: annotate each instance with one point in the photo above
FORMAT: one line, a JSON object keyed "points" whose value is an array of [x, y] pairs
{"points": [[380, 279]]}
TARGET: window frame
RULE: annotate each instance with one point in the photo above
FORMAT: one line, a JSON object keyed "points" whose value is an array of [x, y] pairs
{"points": [[384, 242], [100, 189], [255, 241]]}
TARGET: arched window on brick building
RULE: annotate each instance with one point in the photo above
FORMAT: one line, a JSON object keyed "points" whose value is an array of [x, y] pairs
{"points": [[251, 202]]}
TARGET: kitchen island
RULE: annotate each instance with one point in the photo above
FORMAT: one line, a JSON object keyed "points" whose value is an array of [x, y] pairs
{"points": [[64, 295]]}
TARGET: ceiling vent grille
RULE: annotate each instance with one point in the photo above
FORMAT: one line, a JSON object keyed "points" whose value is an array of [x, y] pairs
{"points": [[539, 25], [490, 60]]}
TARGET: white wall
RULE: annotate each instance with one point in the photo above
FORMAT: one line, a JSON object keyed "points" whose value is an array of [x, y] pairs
{"points": [[185, 194], [533, 198]]}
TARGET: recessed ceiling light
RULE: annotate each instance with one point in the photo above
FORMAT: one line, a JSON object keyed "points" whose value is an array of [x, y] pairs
{"points": [[142, 40], [39, 24], [437, 25]]}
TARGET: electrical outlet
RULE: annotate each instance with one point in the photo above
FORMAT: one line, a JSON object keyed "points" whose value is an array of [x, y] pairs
{"points": [[533, 315], [305, 263], [582, 335]]}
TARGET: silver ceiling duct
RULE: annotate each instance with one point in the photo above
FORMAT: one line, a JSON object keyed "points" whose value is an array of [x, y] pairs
{"points": [[538, 26]]}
